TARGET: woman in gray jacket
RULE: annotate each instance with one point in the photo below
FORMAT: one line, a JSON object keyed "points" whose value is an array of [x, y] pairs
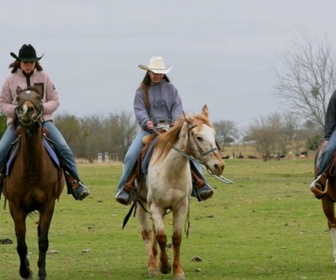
{"points": [[156, 99], [27, 71]]}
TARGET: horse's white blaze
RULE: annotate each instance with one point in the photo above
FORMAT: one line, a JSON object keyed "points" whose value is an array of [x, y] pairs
{"points": [[207, 144]]}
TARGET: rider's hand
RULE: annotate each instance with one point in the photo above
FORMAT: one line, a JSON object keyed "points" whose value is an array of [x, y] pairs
{"points": [[149, 125], [324, 145]]}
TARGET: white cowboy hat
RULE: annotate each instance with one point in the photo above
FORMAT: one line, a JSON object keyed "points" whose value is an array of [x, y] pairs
{"points": [[157, 65]]}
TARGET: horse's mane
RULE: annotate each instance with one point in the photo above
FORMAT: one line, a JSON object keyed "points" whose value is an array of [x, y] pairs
{"points": [[168, 139]]}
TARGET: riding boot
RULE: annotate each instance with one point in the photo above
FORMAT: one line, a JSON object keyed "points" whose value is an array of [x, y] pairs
{"points": [[201, 190], [123, 196], [76, 187]]}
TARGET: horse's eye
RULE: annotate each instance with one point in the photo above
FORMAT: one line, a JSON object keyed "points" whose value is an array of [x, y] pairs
{"points": [[199, 138]]}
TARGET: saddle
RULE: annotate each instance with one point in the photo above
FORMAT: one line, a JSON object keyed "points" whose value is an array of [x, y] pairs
{"points": [[140, 168], [5, 170]]}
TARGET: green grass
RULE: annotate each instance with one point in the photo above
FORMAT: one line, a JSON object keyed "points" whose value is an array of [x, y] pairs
{"points": [[267, 225]]}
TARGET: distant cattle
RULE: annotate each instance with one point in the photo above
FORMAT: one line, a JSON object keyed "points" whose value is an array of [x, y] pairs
{"points": [[303, 154], [252, 157], [240, 155]]}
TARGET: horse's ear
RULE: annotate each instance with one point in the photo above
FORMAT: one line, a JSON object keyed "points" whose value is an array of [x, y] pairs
{"points": [[205, 111], [38, 89], [187, 118], [18, 90]]}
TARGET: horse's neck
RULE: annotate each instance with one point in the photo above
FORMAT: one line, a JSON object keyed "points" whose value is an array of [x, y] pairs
{"points": [[183, 143], [31, 144], [176, 159]]}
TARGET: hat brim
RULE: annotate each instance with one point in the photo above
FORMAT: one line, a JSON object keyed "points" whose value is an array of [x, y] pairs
{"points": [[26, 59], [156, 71]]}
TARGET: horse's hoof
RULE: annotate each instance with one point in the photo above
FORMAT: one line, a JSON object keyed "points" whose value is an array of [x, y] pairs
{"points": [[28, 274], [153, 272], [165, 269], [180, 277]]}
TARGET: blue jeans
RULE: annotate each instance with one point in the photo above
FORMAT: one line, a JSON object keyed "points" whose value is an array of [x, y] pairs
{"points": [[5, 144], [62, 148], [327, 154], [131, 158]]}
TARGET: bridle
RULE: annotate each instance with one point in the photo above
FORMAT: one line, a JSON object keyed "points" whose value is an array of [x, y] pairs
{"points": [[201, 161], [187, 153], [20, 112]]}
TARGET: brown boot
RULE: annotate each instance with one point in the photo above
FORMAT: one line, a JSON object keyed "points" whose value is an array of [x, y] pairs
{"points": [[80, 191], [202, 190]]}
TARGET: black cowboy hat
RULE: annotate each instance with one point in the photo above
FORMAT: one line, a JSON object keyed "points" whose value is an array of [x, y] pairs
{"points": [[27, 53]]}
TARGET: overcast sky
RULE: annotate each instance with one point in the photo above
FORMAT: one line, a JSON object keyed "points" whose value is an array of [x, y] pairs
{"points": [[223, 52]]}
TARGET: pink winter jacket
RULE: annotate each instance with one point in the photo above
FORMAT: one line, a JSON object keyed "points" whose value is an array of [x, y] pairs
{"points": [[8, 102]]}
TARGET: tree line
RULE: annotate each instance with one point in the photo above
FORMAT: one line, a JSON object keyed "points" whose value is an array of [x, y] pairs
{"points": [[113, 134], [304, 86]]}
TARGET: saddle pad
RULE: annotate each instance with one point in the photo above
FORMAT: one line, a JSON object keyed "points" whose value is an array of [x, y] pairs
{"points": [[51, 152], [145, 161], [47, 146]]}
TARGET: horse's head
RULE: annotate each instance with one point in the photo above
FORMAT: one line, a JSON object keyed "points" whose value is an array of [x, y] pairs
{"points": [[202, 142], [29, 109]]}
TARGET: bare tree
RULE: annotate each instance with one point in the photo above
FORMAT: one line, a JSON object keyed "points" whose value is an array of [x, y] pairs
{"points": [[309, 79], [226, 132], [266, 132], [122, 129]]}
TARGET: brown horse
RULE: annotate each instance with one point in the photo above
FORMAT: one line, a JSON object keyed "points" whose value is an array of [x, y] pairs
{"points": [[325, 189], [34, 182]]}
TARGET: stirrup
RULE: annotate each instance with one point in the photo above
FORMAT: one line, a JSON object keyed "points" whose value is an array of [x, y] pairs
{"points": [[316, 190]]}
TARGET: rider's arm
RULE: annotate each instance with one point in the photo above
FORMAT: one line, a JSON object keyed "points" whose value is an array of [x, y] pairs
{"points": [[330, 119]]}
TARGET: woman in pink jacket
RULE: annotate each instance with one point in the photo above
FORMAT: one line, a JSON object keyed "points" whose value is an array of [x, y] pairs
{"points": [[27, 71]]}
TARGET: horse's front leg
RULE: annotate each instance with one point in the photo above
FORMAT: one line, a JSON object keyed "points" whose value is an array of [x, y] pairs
{"points": [[177, 267], [19, 218], [333, 239], [179, 216], [150, 242], [43, 241], [329, 212], [161, 238]]}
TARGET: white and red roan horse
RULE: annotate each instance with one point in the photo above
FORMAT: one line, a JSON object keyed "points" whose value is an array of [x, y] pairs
{"points": [[168, 185]]}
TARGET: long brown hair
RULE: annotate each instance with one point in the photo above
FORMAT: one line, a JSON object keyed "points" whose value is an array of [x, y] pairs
{"points": [[16, 64], [145, 86]]}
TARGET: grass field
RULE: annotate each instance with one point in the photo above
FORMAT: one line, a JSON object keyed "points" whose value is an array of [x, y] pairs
{"points": [[267, 225]]}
